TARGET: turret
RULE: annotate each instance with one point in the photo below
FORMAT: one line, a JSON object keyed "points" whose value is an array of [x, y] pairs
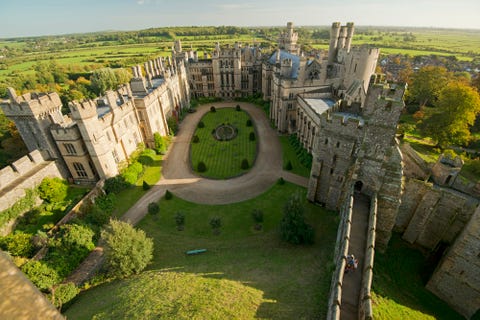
{"points": [[334, 34], [342, 38], [350, 31]]}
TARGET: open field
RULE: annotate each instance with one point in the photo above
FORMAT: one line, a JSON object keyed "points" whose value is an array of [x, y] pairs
{"points": [[245, 273], [398, 290], [223, 158]]}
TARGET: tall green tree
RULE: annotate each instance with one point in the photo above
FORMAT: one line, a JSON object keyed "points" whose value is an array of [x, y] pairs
{"points": [[427, 84], [457, 108], [127, 250], [293, 227], [102, 80]]}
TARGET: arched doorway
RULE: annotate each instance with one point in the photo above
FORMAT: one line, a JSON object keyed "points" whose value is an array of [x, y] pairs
{"points": [[358, 186]]}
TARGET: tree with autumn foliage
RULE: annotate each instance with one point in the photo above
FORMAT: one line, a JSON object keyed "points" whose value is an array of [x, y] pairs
{"points": [[457, 107]]}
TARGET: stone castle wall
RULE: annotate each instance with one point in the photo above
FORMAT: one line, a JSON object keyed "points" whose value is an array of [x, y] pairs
{"points": [[25, 173], [457, 277], [429, 215]]}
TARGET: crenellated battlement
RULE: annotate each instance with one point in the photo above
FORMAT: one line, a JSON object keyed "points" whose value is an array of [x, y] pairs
{"points": [[31, 104]]}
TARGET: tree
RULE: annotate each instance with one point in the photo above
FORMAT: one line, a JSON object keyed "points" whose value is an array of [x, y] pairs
{"points": [[127, 250], [427, 84], [63, 293], [102, 80], [122, 76], [293, 227], [153, 208], [53, 189], [457, 108], [18, 244]]}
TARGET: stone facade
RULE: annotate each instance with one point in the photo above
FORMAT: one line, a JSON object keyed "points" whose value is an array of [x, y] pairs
{"points": [[99, 134], [457, 277]]}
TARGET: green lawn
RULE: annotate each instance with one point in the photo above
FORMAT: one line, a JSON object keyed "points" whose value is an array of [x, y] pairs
{"points": [[245, 274], [128, 197], [398, 290], [223, 158], [289, 154]]}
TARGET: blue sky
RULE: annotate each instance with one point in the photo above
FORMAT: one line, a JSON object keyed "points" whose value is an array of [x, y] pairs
{"points": [[46, 17]]}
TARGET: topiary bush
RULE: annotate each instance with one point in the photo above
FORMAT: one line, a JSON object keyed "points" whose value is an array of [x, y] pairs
{"points": [[213, 109], [195, 139], [281, 181], [238, 107], [179, 220], [249, 123], [251, 136], [146, 186], [244, 165], [216, 224], [201, 125], [153, 208], [201, 167], [257, 215], [289, 166], [168, 195]]}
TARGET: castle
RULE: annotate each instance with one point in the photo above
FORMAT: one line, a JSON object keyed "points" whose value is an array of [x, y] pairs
{"points": [[344, 114]]}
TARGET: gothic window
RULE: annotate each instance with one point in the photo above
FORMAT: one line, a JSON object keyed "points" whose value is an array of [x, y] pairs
{"points": [[70, 148], [80, 170], [338, 144], [115, 156], [291, 96], [314, 74], [326, 141]]}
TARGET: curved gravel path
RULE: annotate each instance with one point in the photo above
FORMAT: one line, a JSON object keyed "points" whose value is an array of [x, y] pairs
{"points": [[178, 177]]}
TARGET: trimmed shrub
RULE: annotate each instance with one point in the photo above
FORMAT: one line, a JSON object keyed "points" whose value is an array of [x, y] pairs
{"points": [[106, 202], [257, 215], [244, 164], [251, 136], [238, 107], [179, 220], [53, 190], [216, 224], [172, 125], [168, 195], [195, 139], [289, 166], [212, 109], [201, 167], [201, 125], [153, 208], [281, 181], [145, 185], [97, 216], [249, 123]]}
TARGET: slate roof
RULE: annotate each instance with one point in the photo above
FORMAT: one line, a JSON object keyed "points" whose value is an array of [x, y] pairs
{"points": [[287, 55]]}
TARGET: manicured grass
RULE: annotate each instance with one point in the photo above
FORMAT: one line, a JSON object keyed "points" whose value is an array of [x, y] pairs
{"points": [[425, 149], [127, 198], [223, 158], [244, 274], [398, 290], [289, 154]]}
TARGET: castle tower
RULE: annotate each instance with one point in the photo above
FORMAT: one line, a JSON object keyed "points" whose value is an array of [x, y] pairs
{"points": [[288, 40], [334, 34], [350, 31], [33, 114], [342, 38]]}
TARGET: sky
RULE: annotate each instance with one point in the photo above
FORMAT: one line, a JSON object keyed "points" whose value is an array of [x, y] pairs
{"points": [[52, 17]]}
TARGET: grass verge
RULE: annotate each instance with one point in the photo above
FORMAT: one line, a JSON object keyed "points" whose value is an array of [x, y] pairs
{"points": [[245, 273], [289, 154]]}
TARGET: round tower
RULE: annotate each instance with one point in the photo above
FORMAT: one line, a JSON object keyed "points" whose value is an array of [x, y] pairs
{"points": [[342, 38], [334, 34], [350, 31]]}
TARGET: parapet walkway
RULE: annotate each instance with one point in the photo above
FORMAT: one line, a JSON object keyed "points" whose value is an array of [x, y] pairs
{"points": [[351, 288]]}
